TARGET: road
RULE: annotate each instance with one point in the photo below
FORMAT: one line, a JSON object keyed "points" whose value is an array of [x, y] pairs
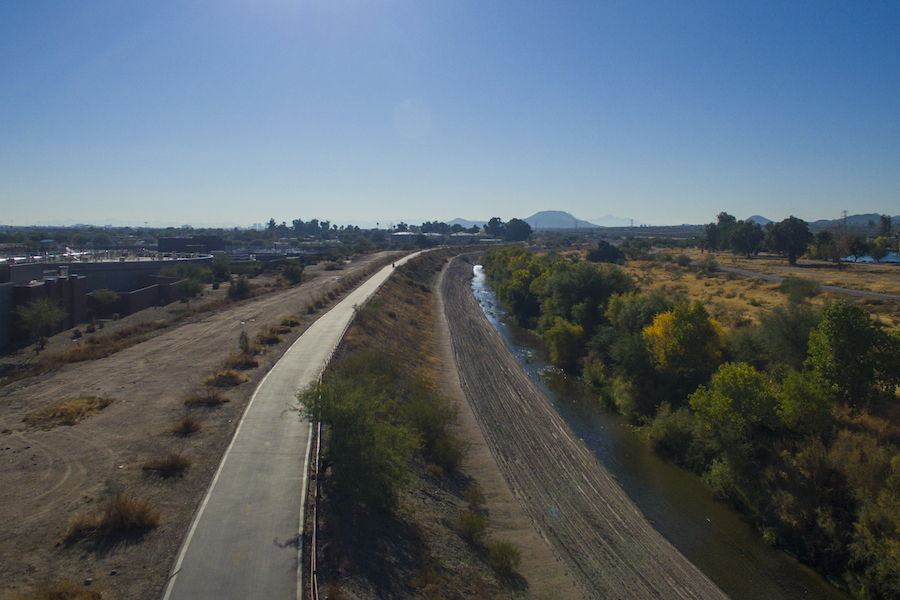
{"points": [[591, 525], [244, 540]]}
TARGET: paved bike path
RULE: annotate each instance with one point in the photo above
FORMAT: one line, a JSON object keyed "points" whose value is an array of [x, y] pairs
{"points": [[244, 541]]}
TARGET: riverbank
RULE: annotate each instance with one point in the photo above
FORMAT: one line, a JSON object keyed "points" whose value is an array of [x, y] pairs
{"points": [[573, 502]]}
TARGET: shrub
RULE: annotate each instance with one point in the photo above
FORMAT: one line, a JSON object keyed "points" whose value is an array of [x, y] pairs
{"points": [[171, 465], [367, 446], [76, 334], [239, 289], [268, 337], [293, 272], [471, 526], [798, 289], [241, 362], [212, 397], [120, 513], [186, 426], [227, 378], [475, 497], [504, 557], [671, 432], [66, 412], [244, 344], [291, 321]]}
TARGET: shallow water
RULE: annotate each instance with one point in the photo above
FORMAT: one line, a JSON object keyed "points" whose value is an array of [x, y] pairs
{"points": [[678, 504]]}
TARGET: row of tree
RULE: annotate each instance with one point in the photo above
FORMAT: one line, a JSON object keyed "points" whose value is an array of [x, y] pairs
{"points": [[793, 238], [780, 417]]}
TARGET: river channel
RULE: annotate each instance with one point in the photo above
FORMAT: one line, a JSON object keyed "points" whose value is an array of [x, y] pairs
{"points": [[678, 504]]}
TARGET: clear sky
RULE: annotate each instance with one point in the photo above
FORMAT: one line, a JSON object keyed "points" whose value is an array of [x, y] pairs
{"points": [[366, 110]]}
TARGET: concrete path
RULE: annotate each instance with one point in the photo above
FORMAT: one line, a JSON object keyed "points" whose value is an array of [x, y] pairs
{"points": [[244, 541]]}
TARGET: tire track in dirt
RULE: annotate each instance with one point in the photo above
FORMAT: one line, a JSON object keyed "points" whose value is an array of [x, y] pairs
{"points": [[48, 476], [571, 499]]}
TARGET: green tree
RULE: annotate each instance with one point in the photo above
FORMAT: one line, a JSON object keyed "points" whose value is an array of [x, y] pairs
{"points": [[718, 234], [579, 293], [739, 398], [39, 315], [880, 248], [495, 227], [368, 447], [293, 272], [850, 353], [517, 230], [885, 228], [102, 240], [239, 289], [605, 253], [566, 343], [104, 298], [189, 289], [221, 268], [791, 237], [784, 333], [685, 346], [746, 238], [805, 403]]}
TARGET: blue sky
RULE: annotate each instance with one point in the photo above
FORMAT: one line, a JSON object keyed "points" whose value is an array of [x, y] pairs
{"points": [[364, 110]]}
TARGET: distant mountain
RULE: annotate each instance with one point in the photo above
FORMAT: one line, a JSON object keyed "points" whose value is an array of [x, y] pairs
{"points": [[856, 220], [557, 219], [612, 221], [762, 221], [466, 223]]}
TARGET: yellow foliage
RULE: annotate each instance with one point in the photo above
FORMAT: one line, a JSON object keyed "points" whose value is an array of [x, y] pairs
{"points": [[685, 337]]}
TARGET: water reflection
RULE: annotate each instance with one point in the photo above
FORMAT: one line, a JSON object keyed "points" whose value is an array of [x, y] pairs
{"points": [[677, 503]]}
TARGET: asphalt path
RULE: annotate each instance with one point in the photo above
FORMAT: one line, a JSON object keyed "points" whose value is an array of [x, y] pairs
{"points": [[245, 539], [827, 288]]}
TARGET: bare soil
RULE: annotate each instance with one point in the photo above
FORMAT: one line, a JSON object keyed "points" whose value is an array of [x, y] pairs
{"points": [[603, 541], [545, 576], [48, 476]]}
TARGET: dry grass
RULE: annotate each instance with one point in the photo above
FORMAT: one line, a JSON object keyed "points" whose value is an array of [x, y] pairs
{"points": [[211, 397], [735, 300], [66, 412], [101, 346], [202, 306], [241, 362], [186, 426], [121, 513], [291, 321], [170, 466], [224, 379], [269, 337], [65, 589]]}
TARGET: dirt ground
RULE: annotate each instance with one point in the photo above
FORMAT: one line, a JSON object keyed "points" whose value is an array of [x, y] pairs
{"points": [[49, 476], [545, 575], [600, 538]]}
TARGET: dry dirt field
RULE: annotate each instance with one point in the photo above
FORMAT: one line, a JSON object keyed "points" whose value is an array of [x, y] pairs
{"points": [[735, 299], [50, 475]]}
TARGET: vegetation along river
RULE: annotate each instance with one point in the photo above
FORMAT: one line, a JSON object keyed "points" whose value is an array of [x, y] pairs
{"points": [[679, 505]]}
